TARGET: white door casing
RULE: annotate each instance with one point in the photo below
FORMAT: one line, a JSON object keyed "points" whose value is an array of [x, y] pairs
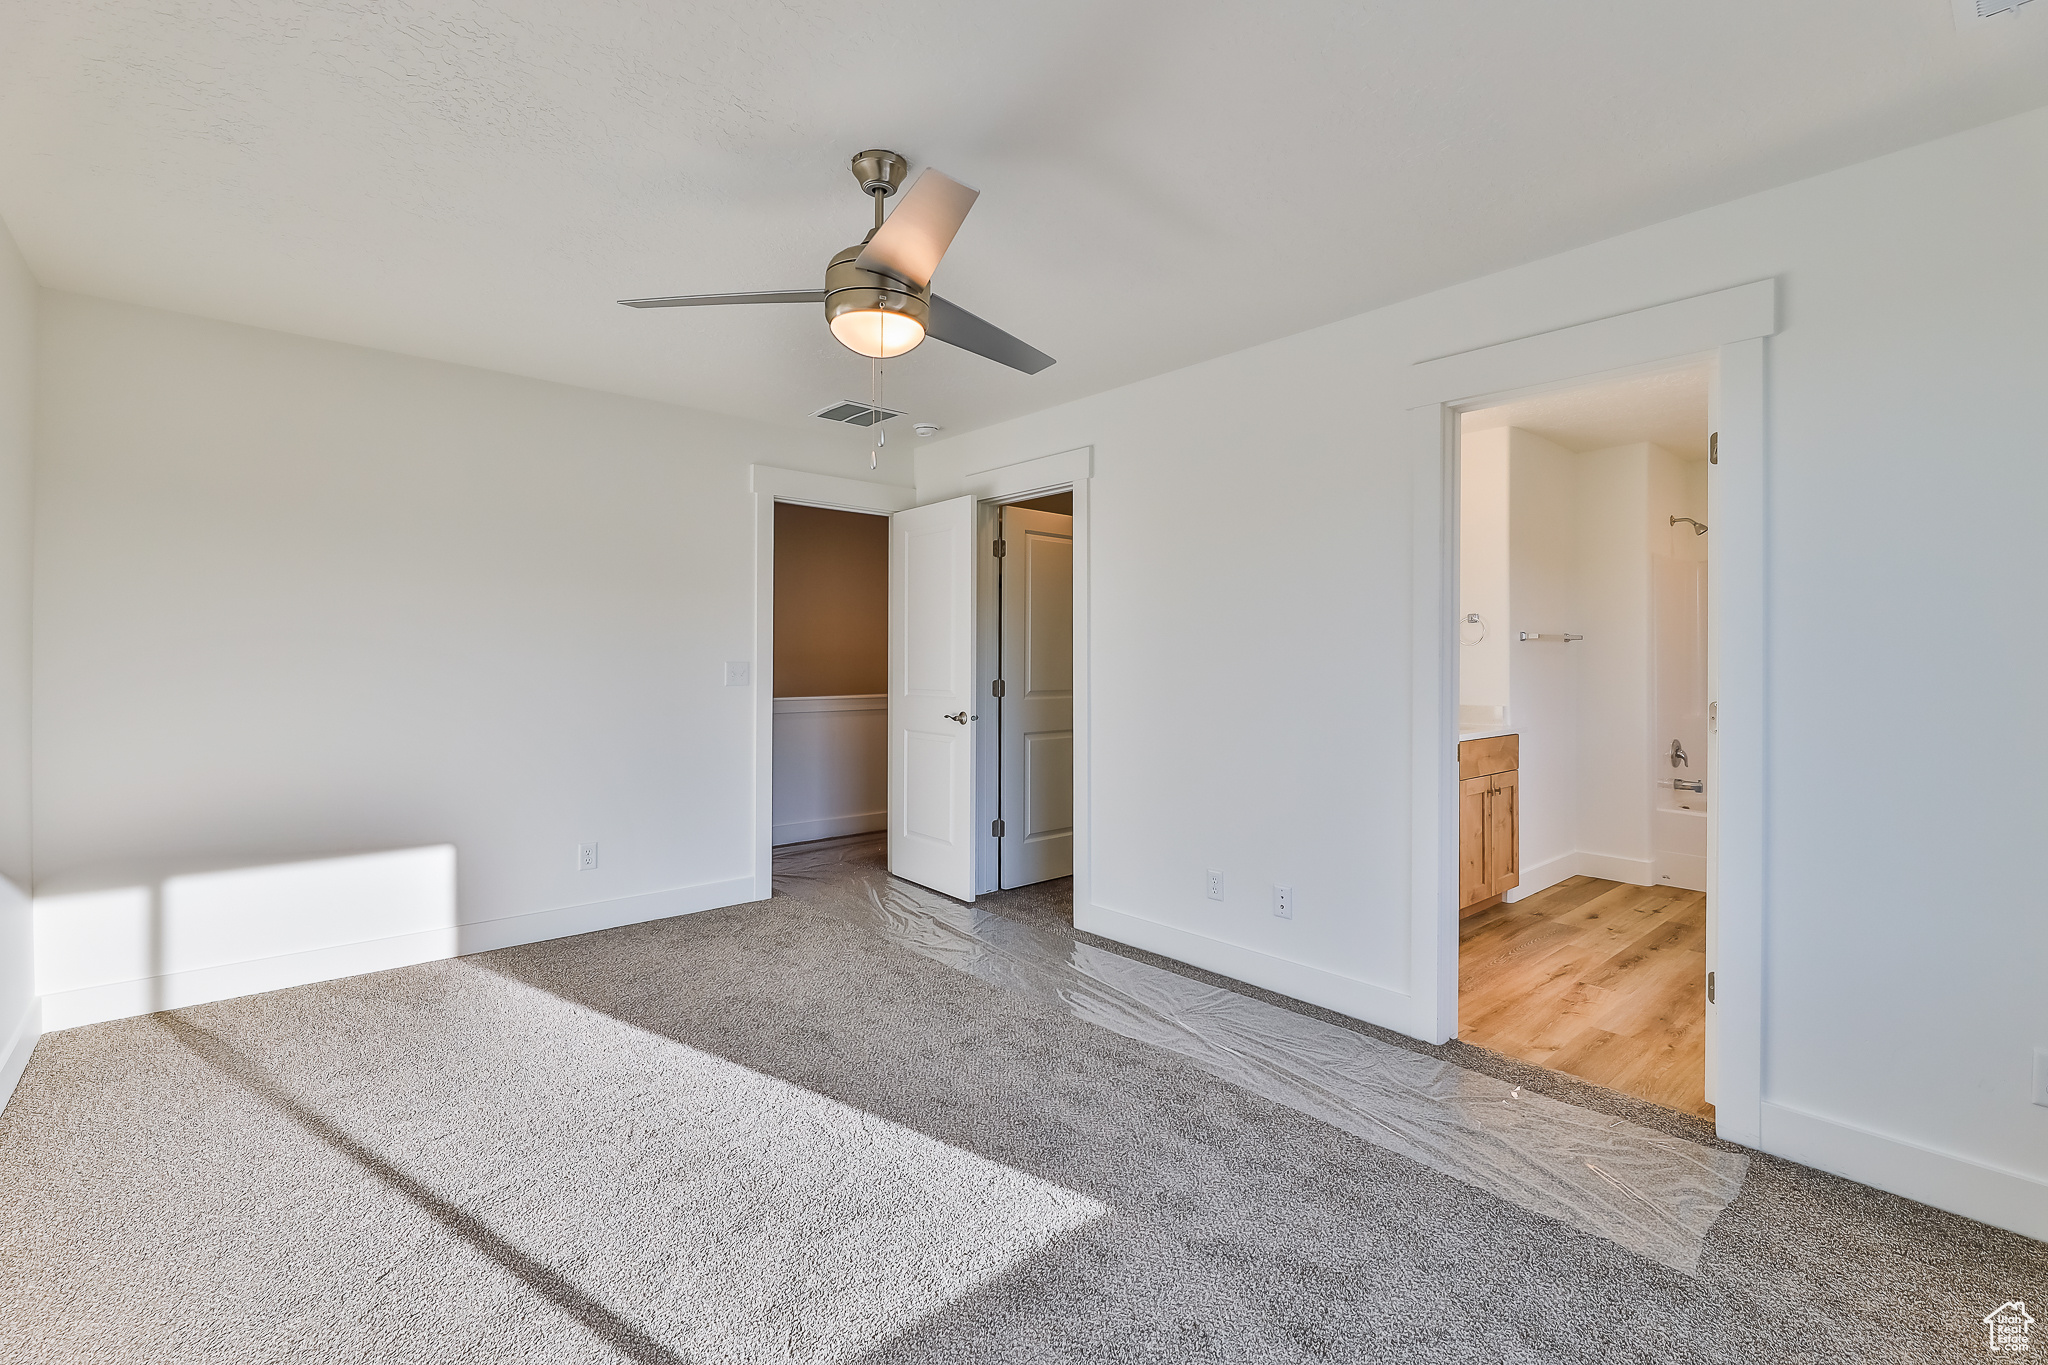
{"points": [[1037, 706], [932, 706], [1729, 327]]}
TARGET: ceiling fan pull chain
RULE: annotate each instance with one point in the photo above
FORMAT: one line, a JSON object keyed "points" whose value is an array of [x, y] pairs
{"points": [[875, 391]]}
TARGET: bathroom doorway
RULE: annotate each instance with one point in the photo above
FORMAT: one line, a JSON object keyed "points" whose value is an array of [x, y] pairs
{"points": [[1583, 732]]}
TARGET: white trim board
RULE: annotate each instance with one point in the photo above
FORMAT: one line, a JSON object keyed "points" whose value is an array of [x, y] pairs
{"points": [[858, 701], [829, 490], [175, 990], [14, 1057], [831, 827], [1347, 995], [2002, 1198], [1631, 871], [1579, 863], [1019, 479], [1686, 327]]}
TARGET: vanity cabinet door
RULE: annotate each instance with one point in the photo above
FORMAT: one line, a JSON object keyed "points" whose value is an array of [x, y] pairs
{"points": [[1503, 834], [1473, 877]]}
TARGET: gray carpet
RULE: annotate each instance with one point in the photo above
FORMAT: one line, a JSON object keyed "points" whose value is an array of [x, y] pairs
{"points": [[765, 1134]]}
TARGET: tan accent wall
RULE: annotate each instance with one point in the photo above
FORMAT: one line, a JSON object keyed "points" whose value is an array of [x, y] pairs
{"points": [[831, 602]]}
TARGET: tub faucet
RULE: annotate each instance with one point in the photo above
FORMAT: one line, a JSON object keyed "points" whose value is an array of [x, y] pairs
{"points": [[1678, 758]]}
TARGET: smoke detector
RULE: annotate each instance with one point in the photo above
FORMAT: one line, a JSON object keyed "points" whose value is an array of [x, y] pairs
{"points": [[1970, 13], [855, 414], [927, 428]]}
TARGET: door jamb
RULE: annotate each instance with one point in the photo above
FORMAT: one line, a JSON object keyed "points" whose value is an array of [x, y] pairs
{"points": [[1731, 327], [771, 485]]}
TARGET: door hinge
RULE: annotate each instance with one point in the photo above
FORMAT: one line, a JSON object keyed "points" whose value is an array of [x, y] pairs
{"points": [[1710, 988], [1000, 551], [995, 827], [1713, 447], [995, 689]]}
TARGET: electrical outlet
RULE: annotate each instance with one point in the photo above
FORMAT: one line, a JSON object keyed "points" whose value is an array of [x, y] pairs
{"points": [[586, 857], [738, 673], [1283, 902], [1215, 886], [2041, 1076]]}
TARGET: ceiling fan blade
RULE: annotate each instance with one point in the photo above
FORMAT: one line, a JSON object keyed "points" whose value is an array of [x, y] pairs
{"points": [[910, 242], [693, 300], [956, 326]]}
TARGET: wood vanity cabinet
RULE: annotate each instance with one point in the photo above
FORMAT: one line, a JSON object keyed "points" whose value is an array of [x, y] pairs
{"points": [[1489, 819]]}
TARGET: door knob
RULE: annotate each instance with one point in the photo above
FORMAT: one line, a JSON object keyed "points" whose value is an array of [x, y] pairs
{"points": [[960, 716]]}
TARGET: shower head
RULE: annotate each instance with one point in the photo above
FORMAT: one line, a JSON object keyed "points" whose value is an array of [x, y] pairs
{"points": [[1699, 528]]}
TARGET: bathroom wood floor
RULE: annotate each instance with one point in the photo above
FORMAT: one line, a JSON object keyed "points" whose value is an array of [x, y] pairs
{"points": [[1600, 979]]}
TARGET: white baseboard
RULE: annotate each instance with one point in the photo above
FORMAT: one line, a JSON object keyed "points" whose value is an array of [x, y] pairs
{"points": [[1316, 985], [1634, 871], [146, 995], [1544, 875], [14, 1058], [1579, 863], [803, 831], [2002, 1198]]}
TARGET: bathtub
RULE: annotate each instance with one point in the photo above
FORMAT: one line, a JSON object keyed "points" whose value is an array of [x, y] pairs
{"points": [[1678, 839]]}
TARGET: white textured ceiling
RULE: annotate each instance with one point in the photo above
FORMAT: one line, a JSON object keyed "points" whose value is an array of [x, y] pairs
{"points": [[1667, 408], [1161, 182]]}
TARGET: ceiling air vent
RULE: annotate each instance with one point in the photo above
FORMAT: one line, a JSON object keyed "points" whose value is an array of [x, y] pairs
{"points": [[867, 414], [1970, 13]]}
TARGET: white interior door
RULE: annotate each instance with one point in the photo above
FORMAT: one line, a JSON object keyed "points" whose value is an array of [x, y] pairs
{"points": [[1037, 700], [931, 701]]}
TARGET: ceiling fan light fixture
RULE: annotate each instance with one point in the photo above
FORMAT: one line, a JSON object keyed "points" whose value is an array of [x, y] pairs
{"points": [[877, 333]]}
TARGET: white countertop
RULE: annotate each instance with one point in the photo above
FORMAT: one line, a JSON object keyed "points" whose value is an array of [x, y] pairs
{"points": [[1488, 732]]}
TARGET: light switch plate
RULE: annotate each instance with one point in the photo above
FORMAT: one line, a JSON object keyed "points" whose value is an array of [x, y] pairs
{"points": [[738, 673]]}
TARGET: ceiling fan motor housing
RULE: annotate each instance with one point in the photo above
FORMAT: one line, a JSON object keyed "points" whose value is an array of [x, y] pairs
{"points": [[849, 289]]}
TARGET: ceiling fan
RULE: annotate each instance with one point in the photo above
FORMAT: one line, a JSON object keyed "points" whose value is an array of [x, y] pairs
{"points": [[878, 293]]}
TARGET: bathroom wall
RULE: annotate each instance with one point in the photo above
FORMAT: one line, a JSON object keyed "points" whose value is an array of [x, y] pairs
{"points": [[1483, 575], [1581, 538], [1612, 575], [1543, 677]]}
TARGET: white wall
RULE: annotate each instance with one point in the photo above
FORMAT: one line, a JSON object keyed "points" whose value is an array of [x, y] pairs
{"points": [[298, 600], [1251, 560], [1543, 586], [1613, 581], [17, 430], [1483, 573], [831, 766]]}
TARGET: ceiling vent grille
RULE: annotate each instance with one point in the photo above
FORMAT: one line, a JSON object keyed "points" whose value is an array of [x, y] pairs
{"points": [[1970, 13], [867, 414]]}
